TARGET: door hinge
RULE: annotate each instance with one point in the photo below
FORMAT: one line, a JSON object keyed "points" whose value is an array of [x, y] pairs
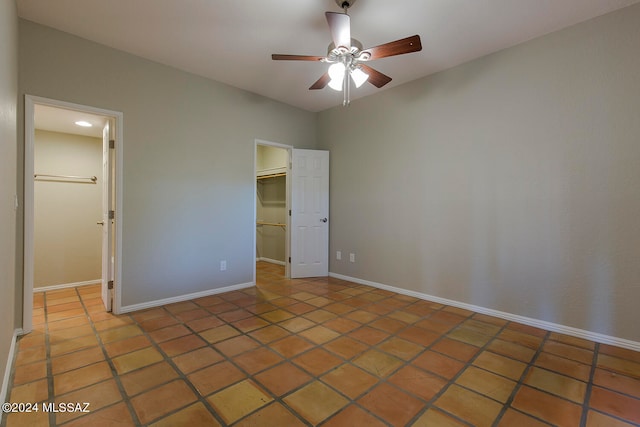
{"points": [[112, 214], [289, 212], [289, 260], [112, 143], [110, 284]]}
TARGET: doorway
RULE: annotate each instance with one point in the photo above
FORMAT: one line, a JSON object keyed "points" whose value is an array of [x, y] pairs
{"points": [[72, 198], [272, 203]]}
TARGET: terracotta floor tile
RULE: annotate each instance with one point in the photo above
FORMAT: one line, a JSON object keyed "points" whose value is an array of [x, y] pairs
{"points": [[619, 352], [67, 323], [197, 359], [276, 315], [522, 338], [530, 330], [596, 419], [350, 380], [617, 382], [182, 345], [615, 404], [317, 361], [81, 377], [346, 347], [115, 415], [76, 360], [273, 415], [169, 333], [319, 334], [257, 360], [456, 349], [250, 323], [469, 336], [362, 316], [291, 346], [514, 418], [342, 325], [434, 417], [112, 322], [238, 400], [269, 334], [398, 347], [75, 344], [297, 324], [512, 350], [194, 415], [98, 396], [622, 366], [500, 365], [117, 334], [160, 322], [320, 316], [159, 401], [568, 351], [545, 406], [469, 406], [143, 379], [481, 327], [377, 363], [434, 326], [391, 404], [353, 416], [283, 378], [215, 377], [418, 382], [369, 335], [204, 323], [316, 402], [564, 366], [31, 372], [31, 419], [439, 364], [180, 307], [198, 313], [574, 341], [219, 333], [36, 391], [300, 308], [418, 335], [236, 345], [69, 333], [403, 316], [486, 383], [557, 384], [128, 345], [137, 359]]}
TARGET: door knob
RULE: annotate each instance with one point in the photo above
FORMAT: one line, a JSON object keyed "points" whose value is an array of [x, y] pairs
{"points": [[100, 222], [324, 220]]}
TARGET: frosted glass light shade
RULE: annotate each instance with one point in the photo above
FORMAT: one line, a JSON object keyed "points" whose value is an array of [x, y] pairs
{"points": [[336, 72], [359, 76]]}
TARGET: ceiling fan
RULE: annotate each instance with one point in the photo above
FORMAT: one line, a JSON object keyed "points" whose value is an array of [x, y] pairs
{"points": [[347, 57]]}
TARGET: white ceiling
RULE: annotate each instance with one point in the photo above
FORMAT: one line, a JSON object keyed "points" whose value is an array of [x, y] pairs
{"points": [[231, 41], [63, 120]]}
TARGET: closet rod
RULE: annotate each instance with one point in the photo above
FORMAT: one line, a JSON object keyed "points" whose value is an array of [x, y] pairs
{"points": [[271, 223], [91, 178]]}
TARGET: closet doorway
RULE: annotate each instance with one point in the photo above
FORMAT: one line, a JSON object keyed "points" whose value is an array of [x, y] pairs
{"points": [[71, 200], [272, 210]]}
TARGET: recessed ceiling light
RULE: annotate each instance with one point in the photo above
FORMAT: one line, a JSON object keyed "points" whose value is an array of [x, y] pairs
{"points": [[84, 124]]}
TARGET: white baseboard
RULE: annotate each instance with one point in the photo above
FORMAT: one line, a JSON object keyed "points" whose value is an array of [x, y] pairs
{"points": [[186, 297], [272, 261], [66, 285], [542, 324], [8, 367]]}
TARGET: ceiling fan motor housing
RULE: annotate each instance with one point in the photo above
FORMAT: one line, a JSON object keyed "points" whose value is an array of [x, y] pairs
{"points": [[345, 4]]}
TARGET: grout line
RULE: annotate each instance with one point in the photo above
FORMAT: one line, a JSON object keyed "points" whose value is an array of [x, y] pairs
{"points": [[587, 395]]}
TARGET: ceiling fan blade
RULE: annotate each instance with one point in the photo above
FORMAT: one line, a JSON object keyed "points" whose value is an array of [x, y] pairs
{"points": [[376, 78], [398, 47], [321, 82], [279, 57], [340, 26]]}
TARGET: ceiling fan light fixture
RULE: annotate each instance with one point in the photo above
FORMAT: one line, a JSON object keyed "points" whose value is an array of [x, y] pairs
{"points": [[359, 76], [336, 72]]}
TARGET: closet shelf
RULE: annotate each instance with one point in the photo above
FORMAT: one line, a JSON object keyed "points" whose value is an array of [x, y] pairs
{"points": [[272, 175], [277, 224]]}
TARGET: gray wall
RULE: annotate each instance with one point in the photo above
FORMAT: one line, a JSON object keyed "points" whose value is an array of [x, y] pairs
{"points": [[188, 177], [67, 240], [8, 99], [511, 182]]}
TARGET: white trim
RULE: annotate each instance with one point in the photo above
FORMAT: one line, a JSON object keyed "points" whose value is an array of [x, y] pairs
{"points": [[271, 261], [542, 324], [28, 267], [66, 285], [181, 298], [8, 368]]}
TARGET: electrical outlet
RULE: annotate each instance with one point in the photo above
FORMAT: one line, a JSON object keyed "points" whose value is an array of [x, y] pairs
{"points": [[223, 265], [338, 255], [352, 257]]}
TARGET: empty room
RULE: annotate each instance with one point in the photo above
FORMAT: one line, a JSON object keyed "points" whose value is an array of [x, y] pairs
{"points": [[331, 213]]}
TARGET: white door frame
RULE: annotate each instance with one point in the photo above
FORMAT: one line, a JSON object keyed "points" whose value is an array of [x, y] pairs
{"points": [[287, 245], [29, 140]]}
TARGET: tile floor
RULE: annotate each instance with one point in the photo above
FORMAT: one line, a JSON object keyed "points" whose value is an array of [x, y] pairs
{"points": [[312, 352]]}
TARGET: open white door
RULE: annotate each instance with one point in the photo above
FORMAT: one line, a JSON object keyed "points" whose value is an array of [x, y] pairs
{"points": [[107, 221], [309, 213]]}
